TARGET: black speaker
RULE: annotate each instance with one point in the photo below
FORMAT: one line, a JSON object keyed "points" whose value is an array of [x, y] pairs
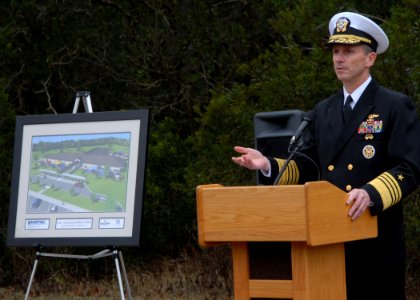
{"points": [[273, 131]]}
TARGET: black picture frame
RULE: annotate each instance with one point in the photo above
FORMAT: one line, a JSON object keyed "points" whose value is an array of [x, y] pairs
{"points": [[78, 179]]}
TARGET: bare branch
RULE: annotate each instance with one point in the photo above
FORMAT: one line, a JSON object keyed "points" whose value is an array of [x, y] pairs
{"points": [[45, 90]]}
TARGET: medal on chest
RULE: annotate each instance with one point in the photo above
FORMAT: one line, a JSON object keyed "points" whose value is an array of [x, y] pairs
{"points": [[368, 151]]}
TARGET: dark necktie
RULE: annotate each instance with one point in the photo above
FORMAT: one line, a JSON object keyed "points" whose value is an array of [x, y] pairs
{"points": [[347, 109]]}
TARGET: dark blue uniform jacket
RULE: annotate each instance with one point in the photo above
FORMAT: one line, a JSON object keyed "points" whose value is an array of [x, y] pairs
{"points": [[377, 150]]}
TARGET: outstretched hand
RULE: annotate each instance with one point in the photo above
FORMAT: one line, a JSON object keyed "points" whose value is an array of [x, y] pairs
{"points": [[251, 159]]}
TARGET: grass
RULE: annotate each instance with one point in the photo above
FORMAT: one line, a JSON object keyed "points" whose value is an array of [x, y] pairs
{"points": [[194, 275]]}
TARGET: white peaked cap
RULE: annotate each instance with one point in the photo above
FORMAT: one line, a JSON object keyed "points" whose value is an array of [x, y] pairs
{"points": [[354, 29]]}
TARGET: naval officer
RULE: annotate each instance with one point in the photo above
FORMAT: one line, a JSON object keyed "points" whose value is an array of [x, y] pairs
{"points": [[365, 140]]}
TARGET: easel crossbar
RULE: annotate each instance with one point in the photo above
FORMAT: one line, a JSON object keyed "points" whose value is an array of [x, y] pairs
{"points": [[100, 254], [119, 265]]}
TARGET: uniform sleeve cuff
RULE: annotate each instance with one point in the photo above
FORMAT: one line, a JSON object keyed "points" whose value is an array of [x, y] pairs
{"points": [[267, 178], [376, 206]]}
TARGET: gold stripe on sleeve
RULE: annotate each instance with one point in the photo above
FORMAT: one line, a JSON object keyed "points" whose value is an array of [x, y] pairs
{"points": [[291, 173], [388, 188]]}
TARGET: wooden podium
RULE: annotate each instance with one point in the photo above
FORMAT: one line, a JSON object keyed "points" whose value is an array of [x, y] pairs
{"points": [[313, 217]]}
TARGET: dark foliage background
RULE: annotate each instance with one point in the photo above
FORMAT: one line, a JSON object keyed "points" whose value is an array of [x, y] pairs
{"points": [[203, 68]]}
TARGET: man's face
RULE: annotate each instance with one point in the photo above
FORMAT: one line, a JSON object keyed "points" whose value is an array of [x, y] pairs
{"points": [[352, 63]]}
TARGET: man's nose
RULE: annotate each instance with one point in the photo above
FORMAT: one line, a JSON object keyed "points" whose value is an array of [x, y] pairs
{"points": [[338, 57]]}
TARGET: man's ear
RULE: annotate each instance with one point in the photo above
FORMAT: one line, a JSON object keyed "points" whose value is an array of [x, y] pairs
{"points": [[370, 59]]}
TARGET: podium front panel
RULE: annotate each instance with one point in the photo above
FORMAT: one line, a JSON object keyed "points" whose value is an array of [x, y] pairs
{"points": [[273, 213]]}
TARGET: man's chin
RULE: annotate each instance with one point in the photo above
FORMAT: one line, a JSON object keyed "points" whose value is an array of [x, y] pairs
{"points": [[340, 76]]}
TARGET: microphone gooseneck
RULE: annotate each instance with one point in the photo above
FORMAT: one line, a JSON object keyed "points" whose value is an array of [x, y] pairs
{"points": [[294, 145]]}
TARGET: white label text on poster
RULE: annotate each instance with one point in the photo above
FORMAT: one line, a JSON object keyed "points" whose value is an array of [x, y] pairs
{"points": [[36, 224], [74, 224], [111, 223]]}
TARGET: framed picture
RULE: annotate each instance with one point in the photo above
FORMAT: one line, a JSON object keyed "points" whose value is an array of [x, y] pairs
{"points": [[78, 179]]}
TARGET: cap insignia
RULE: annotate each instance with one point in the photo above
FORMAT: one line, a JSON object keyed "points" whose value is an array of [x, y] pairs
{"points": [[342, 23]]}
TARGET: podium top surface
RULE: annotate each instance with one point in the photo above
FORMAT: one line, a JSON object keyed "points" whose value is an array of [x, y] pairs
{"points": [[315, 212]]}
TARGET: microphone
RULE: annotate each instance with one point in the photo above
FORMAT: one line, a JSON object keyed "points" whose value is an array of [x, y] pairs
{"points": [[298, 133], [306, 120]]}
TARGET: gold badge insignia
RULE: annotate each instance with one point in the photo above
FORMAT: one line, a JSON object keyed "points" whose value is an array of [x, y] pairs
{"points": [[341, 25], [368, 151], [373, 116], [400, 177]]}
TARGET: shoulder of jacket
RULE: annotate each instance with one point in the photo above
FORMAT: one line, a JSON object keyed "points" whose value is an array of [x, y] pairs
{"points": [[327, 101], [384, 92]]}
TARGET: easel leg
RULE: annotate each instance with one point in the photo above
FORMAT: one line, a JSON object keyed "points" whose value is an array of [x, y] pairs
{"points": [[117, 266], [28, 290], [127, 284], [119, 261]]}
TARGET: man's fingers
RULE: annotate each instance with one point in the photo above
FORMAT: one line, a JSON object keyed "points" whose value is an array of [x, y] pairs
{"points": [[358, 212], [357, 209], [241, 150]]}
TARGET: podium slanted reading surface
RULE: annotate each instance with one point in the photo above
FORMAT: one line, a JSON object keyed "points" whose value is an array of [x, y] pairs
{"points": [[313, 217]]}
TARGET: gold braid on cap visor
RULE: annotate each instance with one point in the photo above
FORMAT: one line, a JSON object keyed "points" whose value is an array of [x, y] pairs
{"points": [[348, 38]]}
